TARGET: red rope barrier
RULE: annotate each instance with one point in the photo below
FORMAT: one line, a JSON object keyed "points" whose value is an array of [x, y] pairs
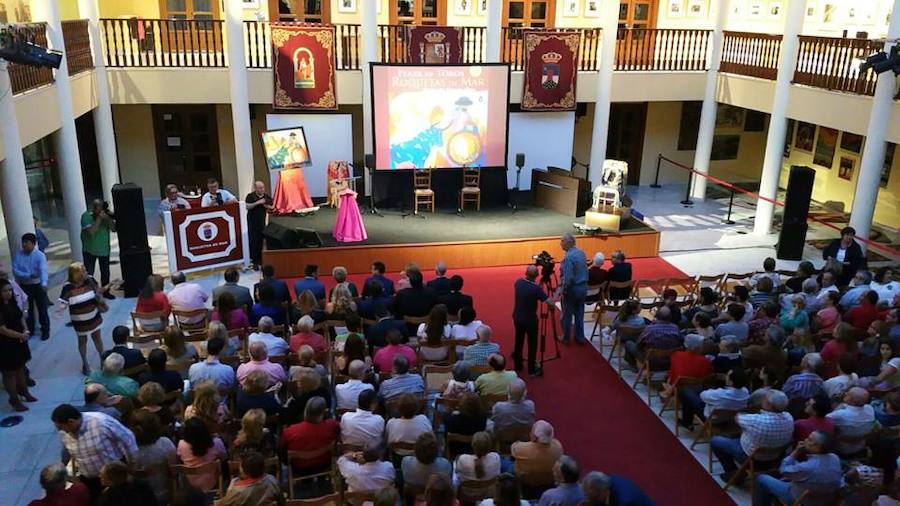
{"points": [[757, 196]]}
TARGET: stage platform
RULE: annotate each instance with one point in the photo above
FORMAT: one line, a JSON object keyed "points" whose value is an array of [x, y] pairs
{"points": [[488, 238]]}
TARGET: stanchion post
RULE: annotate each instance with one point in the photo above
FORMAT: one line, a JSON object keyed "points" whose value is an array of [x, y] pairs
{"points": [[728, 220], [687, 196], [656, 179]]}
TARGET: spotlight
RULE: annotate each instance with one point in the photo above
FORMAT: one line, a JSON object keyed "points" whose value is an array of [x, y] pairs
{"points": [[15, 48]]}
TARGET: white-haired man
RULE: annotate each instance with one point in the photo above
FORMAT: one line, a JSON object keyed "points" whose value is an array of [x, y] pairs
{"points": [[54, 480], [111, 377], [537, 457], [441, 283], [517, 411], [275, 345], [348, 393], [259, 361]]}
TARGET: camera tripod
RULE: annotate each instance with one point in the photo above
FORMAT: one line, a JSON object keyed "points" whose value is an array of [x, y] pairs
{"points": [[547, 321]]}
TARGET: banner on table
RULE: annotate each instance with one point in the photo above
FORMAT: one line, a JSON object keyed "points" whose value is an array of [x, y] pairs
{"points": [[550, 71], [303, 63], [207, 237], [434, 44]]}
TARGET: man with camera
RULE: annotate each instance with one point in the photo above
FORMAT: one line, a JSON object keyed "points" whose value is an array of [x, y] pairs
{"points": [[572, 289], [96, 225], [527, 295]]}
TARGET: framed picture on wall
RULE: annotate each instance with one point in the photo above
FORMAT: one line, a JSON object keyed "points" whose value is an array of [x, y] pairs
{"points": [[754, 121], [789, 137], [729, 116], [890, 150], [250, 4], [811, 10], [462, 7], [346, 5], [570, 8], [482, 7], [696, 8], [725, 147], [829, 12], [689, 126], [845, 169], [851, 142], [592, 8], [676, 8], [806, 135], [756, 9], [738, 8], [774, 9], [826, 143]]}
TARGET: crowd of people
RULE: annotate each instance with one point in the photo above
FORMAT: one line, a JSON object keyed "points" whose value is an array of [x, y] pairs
{"points": [[392, 391]]}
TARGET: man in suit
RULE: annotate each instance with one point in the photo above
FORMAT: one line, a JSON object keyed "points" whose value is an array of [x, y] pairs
{"points": [[378, 270], [455, 299], [241, 293], [279, 287], [440, 284], [619, 272], [120, 345], [376, 335], [417, 300], [311, 282]]}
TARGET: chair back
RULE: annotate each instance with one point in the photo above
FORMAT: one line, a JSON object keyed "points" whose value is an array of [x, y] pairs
{"points": [[686, 288], [182, 472], [471, 177], [731, 280], [649, 290], [659, 360], [134, 371], [273, 467], [473, 491], [713, 282], [448, 353], [506, 436], [325, 500], [436, 376], [181, 316], [140, 320], [767, 454], [619, 287], [458, 439], [422, 179], [402, 448]]}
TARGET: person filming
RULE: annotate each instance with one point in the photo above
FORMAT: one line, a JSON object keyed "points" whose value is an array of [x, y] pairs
{"points": [[527, 295]]}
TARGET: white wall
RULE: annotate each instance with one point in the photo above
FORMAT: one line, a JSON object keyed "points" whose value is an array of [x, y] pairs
{"points": [[546, 138], [329, 137]]}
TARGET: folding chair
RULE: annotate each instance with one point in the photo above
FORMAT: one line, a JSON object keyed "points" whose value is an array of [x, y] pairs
{"points": [[180, 473], [623, 332], [732, 280], [649, 365], [686, 288], [619, 290], [436, 376], [649, 290], [330, 473], [201, 324], [720, 422], [140, 334], [605, 312], [273, 467], [680, 383], [450, 437], [712, 282], [449, 404], [449, 354], [325, 500], [761, 461], [506, 436], [474, 491]]}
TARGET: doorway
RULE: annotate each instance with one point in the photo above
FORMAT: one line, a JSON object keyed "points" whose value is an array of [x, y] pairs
{"points": [[627, 122], [418, 12], [306, 11], [187, 144], [635, 39]]}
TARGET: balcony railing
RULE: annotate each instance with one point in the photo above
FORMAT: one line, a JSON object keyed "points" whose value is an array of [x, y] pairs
{"points": [[833, 64], [513, 51], [77, 40], [163, 43], [26, 77], [751, 54], [661, 49]]}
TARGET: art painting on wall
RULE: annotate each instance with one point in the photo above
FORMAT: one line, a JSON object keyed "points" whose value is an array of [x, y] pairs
{"points": [[463, 7], [676, 9], [826, 143], [729, 116], [696, 8], [806, 135], [570, 9], [845, 170], [851, 142], [725, 147]]}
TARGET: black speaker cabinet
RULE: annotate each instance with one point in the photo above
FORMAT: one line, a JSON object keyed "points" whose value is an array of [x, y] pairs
{"points": [[136, 268], [131, 224], [309, 238], [280, 237], [796, 208]]}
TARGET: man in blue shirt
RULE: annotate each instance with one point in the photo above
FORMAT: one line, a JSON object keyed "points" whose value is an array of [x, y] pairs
{"points": [[211, 369], [567, 491], [809, 468], [311, 282], [573, 289], [858, 286], [602, 489], [30, 269]]}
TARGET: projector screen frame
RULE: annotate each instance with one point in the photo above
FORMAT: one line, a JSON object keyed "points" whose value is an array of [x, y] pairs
{"points": [[262, 140], [372, 66]]}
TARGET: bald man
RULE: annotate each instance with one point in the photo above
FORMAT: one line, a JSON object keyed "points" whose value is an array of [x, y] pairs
{"points": [[258, 204], [855, 418], [528, 293]]}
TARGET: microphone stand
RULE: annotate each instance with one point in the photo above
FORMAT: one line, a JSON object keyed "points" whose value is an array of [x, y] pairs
{"points": [[372, 209], [515, 201]]}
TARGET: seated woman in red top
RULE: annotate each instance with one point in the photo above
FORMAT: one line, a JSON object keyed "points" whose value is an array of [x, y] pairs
{"points": [[866, 312], [306, 335], [690, 363], [843, 340], [151, 299], [228, 313], [314, 433]]}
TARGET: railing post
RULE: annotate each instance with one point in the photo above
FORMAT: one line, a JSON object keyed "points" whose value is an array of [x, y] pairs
{"points": [[687, 195], [730, 204], [655, 184]]}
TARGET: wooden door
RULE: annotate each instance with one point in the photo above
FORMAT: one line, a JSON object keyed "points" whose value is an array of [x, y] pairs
{"points": [[521, 14], [626, 136], [306, 11], [635, 39], [187, 144], [186, 36], [418, 12]]}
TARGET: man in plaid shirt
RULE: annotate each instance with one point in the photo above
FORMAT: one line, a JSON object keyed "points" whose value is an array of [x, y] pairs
{"points": [[92, 440], [770, 428]]}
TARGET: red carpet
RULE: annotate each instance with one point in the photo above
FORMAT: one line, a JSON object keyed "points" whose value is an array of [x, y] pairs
{"points": [[598, 418]]}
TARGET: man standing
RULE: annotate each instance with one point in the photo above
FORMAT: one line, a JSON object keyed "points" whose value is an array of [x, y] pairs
{"points": [[96, 224], [527, 295], [172, 201], [216, 196], [30, 269], [258, 204], [573, 289]]}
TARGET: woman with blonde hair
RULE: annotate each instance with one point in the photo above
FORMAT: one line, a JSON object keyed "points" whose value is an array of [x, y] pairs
{"points": [[253, 436], [83, 296], [341, 304], [308, 384], [307, 305], [151, 397], [181, 354], [482, 464], [306, 360], [206, 405], [254, 393], [218, 329]]}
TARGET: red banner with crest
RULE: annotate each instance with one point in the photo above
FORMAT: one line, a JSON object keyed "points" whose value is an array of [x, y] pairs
{"points": [[434, 45], [303, 63], [207, 237], [550, 71]]}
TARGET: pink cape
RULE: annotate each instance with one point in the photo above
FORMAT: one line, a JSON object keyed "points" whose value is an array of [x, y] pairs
{"points": [[349, 225]]}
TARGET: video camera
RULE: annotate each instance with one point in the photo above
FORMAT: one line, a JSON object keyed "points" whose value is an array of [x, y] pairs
{"points": [[545, 261]]}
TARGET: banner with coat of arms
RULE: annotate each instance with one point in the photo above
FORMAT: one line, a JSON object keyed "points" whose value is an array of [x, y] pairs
{"points": [[550, 70], [434, 45], [303, 62]]}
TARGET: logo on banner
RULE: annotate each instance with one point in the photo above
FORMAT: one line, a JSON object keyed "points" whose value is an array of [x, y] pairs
{"points": [[207, 231], [208, 236], [434, 50], [550, 70], [304, 68]]}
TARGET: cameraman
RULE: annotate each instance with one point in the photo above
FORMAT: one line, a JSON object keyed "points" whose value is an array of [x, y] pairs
{"points": [[572, 288], [528, 293], [96, 224]]}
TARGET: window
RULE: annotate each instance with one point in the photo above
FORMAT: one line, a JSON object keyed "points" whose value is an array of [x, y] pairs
{"points": [[418, 12], [307, 11], [203, 10], [533, 13]]}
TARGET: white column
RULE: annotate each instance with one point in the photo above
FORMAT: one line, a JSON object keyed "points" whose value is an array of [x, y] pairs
{"points": [[787, 63], [103, 120], [13, 184], [493, 34], [65, 140], [708, 112], [868, 182], [369, 48], [609, 25], [240, 97]]}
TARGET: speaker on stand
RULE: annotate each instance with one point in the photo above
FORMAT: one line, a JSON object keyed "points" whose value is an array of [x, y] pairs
{"points": [[792, 237], [514, 196], [131, 229], [370, 167]]}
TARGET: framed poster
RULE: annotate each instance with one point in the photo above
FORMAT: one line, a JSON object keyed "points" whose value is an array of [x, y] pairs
{"points": [[725, 147], [570, 9], [729, 116], [845, 170], [806, 134], [204, 238], [696, 8], [826, 143], [774, 9], [689, 125], [462, 7], [829, 12], [811, 10], [592, 8], [738, 8], [346, 5], [482, 7], [851, 142], [889, 151], [754, 121], [676, 8], [756, 9], [789, 137], [285, 148]]}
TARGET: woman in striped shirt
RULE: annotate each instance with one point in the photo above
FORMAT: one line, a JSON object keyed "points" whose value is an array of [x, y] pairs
{"points": [[82, 296]]}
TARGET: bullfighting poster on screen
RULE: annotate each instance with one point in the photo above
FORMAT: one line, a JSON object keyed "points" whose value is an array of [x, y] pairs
{"points": [[207, 237]]}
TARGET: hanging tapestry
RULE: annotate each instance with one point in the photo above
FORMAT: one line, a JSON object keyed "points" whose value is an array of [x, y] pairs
{"points": [[551, 60], [434, 44], [303, 62]]}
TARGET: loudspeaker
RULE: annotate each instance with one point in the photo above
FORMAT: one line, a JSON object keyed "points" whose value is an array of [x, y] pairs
{"points": [[136, 268], [309, 238], [131, 225], [280, 237], [370, 161], [520, 159], [796, 208]]}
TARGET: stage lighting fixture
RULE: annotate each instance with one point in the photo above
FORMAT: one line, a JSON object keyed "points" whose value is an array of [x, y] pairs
{"points": [[15, 48]]}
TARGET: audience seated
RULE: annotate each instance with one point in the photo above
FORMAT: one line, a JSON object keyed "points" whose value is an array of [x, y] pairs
{"points": [[186, 296], [478, 354], [150, 398], [729, 356], [535, 459], [496, 381], [701, 403], [207, 406], [816, 411], [133, 357], [309, 384], [110, 376], [460, 383], [311, 282], [767, 272], [619, 272], [98, 400], [568, 491], [417, 300], [259, 361], [347, 393], [305, 335], [363, 425], [807, 382], [888, 377], [53, 481], [254, 394], [378, 270], [306, 360], [372, 297], [805, 270], [707, 304], [734, 324], [241, 294], [151, 299], [689, 363], [861, 284], [517, 411], [466, 420], [315, 432], [376, 335], [766, 316], [886, 284], [156, 363], [384, 358], [601, 489], [409, 426], [341, 304], [181, 354], [307, 305], [440, 284], [198, 447], [855, 419], [402, 381], [424, 462], [275, 345], [828, 317], [480, 465], [229, 313], [796, 316], [253, 436], [154, 454], [769, 352], [467, 326], [252, 485], [809, 470], [365, 471], [280, 291], [232, 342], [661, 334], [117, 489], [268, 305], [861, 316], [221, 375], [836, 386], [843, 341], [764, 293], [455, 299], [339, 274]]}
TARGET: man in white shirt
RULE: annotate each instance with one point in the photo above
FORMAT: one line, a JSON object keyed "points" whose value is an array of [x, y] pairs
{"points": [[855, 418], [361, 426], [275, 345], [827, 286], [216, 196], [365, 471], [186, 296], [348, 393]]}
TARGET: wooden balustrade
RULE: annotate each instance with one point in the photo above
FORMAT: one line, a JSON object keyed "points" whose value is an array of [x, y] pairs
{"points": [[513, 52], [347, 49], [474, 44], [77, 40], [833, 63], [641, 49], [26, 77], [163, 43], [751, 54], [393, 41], [257, 45]]}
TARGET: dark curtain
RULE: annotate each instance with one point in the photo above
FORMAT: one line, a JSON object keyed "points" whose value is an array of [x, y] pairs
{"points": [[394, 188]]}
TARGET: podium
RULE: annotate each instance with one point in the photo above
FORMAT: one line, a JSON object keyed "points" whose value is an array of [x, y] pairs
{"points": [[556, 189]]}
